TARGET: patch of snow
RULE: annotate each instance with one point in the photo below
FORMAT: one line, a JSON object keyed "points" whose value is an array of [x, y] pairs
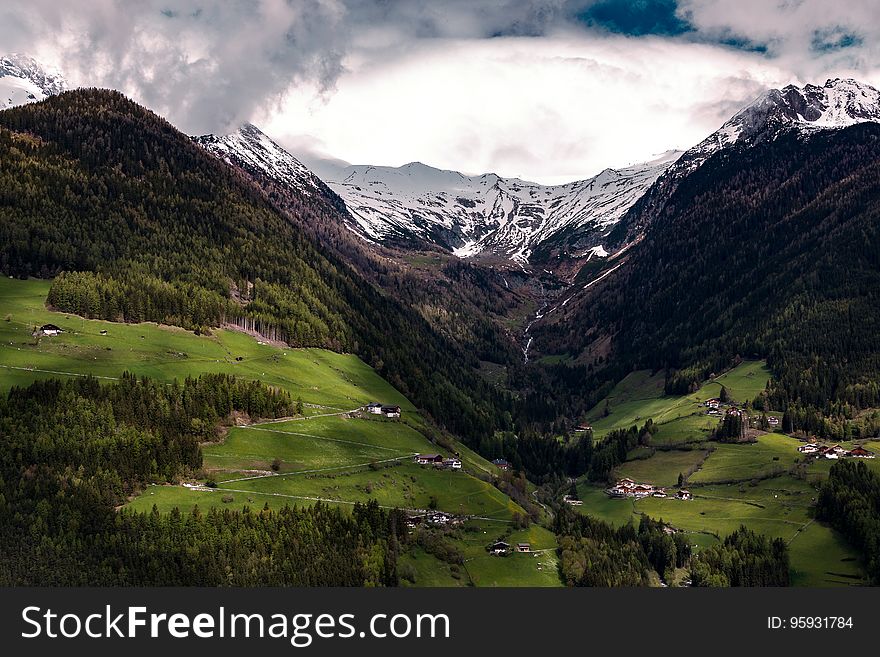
{"points": [[24, 80], [485, 213]]}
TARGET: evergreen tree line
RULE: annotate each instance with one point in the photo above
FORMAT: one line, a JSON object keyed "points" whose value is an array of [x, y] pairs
{"points": [[587, 547], [72, 452], [744, 558], [593, 553], [850, 501]]}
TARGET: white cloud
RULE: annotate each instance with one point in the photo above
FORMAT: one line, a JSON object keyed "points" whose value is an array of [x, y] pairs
{"points": [[552, 109], [423, 82]]}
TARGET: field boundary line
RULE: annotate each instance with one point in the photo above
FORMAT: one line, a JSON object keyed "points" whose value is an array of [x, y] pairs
{"points": [[35, 369], [299, 472], [335, 440]]}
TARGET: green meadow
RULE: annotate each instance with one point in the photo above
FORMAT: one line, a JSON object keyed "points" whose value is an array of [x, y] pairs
{"points": [[732, 484], [334, 456], [663, 468], [640, 396], [538, 568], [772, 453]]}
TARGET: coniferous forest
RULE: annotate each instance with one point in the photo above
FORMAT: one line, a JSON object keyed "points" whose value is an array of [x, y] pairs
{"points": [[742, 258], [72, 452]]}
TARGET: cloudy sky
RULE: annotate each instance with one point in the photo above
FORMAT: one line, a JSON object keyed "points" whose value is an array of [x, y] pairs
{"points": [[547, 90]]}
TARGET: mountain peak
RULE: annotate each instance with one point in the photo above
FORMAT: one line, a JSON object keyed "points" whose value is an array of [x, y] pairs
{"points": [[253, 150], [839, 103], [24, 80]]}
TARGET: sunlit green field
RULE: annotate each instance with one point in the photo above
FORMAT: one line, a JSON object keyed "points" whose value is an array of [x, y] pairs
{"points": [[538, 568], [778, 507], [772, 453], [640, 396], [764, 497], [327, 456], [663, 468]]}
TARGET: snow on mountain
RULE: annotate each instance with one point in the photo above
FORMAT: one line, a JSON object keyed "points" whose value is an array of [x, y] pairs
{"points": [[253, 151], [837, 104], [24, 80], [486, 213]]}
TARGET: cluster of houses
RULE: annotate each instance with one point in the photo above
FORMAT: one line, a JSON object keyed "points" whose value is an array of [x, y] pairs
{"points": [[438, 461], [502, 548], [379, 409], [834, 451], [434, 518], [628, 488], [714, 406]]}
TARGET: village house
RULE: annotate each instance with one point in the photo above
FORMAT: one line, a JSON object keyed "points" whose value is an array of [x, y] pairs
{"points": [[683, 494], [809, 448], [713, 403], [452, 464], [375, 408], [860, 452], [428, 459], [629, 488], [523, 547], [773, 421], [568, 499], [583, 427], [833, 452], [48, 330], [391, 411], [499, 547], [501, 463], [440, 518]]}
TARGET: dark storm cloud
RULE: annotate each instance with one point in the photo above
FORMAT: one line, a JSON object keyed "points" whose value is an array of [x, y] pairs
{"points": [[205, 65]]}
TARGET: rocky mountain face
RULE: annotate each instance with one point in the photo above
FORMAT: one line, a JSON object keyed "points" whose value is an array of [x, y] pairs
{"points": [[24, 80], [487, 214]]}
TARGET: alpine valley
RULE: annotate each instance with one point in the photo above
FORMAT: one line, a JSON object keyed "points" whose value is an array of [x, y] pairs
{"points": [[221, 366]]}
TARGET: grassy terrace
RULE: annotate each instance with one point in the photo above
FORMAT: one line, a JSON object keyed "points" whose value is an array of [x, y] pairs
{"points": [[681, 418]]}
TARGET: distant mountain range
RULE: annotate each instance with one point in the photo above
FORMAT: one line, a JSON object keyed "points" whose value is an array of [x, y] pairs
{"points": [[509, 218], [487, 215]]}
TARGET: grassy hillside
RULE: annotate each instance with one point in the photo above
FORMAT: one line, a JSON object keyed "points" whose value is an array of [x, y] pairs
{"points": [[137, 222], [765, 494], [640, 396], [736, 260], [325, 455]]}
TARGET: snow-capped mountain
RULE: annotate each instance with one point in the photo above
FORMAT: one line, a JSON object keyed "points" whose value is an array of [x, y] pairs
{"points": [[837, 104], [465, 214], [486, 213], [24, 80], [252, 150]]}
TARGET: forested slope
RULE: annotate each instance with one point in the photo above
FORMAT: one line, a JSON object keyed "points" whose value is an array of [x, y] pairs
{"points": [[139, 223], [771, 250]]}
